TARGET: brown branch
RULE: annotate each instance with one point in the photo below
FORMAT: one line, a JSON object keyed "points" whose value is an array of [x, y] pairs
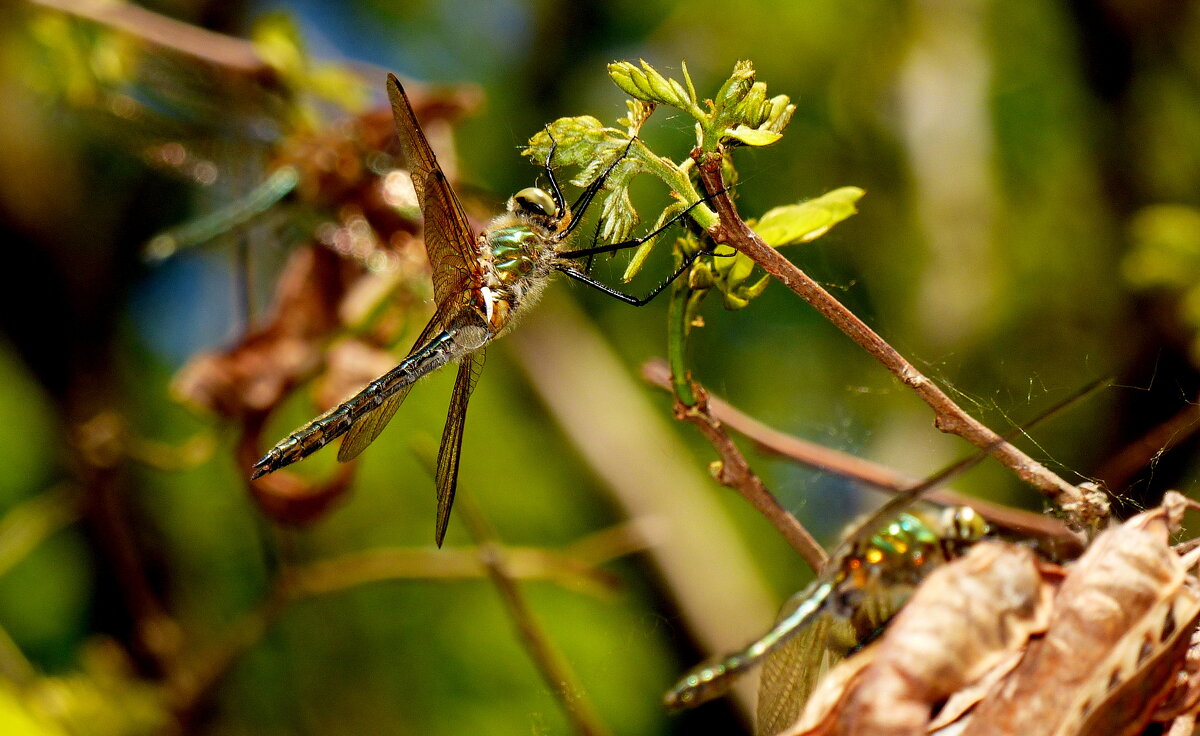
{"points": [[734, 472], [97, 445], [819, 457], [1117, 472], [1081, 507]]}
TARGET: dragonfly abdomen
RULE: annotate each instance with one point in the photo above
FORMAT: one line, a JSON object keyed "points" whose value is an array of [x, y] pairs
{"points": [[337, 421]]}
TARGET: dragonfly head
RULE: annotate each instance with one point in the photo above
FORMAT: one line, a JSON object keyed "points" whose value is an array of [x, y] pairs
{"points": [[535, 204], [963, 524]]}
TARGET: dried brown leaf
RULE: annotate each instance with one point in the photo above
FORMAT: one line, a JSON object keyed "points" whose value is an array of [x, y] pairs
{"points": [[967, 617], [1121, 627], [254, 375]]}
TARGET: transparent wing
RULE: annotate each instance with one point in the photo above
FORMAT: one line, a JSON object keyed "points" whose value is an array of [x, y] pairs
{"points": [[449, 239], [367, 428], [792, 670], [447, 464], [790, 673]]}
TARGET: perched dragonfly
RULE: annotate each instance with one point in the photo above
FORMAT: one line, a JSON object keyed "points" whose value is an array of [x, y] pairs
{"points": [[481, 283], [866, 582]]}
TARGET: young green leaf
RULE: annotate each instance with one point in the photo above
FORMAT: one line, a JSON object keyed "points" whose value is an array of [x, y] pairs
{"points": [[617, 215], [638, 112], [806, 221], [752, 136], [581, 141]]}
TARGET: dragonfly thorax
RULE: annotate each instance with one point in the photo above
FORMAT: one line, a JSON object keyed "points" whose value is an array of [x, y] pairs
{"points": [[517, 252], [521, 241]]}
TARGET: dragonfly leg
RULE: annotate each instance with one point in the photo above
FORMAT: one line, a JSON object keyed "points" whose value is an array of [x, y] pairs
{"points": [[554, 188], [626, 244], [642, 301], [585, 198]]}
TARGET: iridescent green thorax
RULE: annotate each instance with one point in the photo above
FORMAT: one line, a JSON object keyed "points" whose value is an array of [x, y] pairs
{"points": [[902, 549], [512, 251]]}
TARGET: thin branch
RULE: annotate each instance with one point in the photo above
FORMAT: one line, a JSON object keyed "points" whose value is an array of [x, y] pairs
{"points": [[460, 563], [1083, 508], [550, 662], [1119, 470], [734, 472], [572, 567], [863, 471], [207, 46], [15, 669], [25, 526]]}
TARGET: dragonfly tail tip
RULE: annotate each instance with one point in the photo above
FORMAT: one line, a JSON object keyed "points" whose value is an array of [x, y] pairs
{"points": [[260, 468]]}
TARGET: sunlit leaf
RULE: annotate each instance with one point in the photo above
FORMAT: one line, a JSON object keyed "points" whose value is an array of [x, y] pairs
{"points": [[618, 215], [638, 112], [582, 141], [807, 221], [752, 136], [735, 89]]}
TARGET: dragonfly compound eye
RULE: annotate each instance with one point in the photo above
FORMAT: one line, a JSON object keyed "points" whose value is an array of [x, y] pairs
{"points": [[535, 201], [963, 523]]}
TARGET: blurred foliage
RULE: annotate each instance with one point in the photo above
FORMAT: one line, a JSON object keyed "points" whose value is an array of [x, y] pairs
{"points": [[1165, 255], [1033, 171]]}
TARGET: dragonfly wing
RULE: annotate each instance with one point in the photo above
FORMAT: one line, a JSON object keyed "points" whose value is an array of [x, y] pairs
{"points": [[447, 463], [449, 238], [791, 672], [367, 428]]}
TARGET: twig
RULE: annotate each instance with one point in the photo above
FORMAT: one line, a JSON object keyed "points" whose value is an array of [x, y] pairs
{"points": [[460, 563], [207, 46], [868, 473], [1083, 508], [15, 669], [571, 567], [734, 472], [98, 448], [550, 663], [29, 523], [1120, 469]]}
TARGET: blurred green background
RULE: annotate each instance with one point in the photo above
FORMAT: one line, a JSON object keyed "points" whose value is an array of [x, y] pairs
{"points": [[1031, 169]]}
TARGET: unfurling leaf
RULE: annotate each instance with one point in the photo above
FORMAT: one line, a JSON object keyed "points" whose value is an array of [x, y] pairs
{"points": [[618, 216], [735, 89], [639, 112], [647, 84], [742, 113]]}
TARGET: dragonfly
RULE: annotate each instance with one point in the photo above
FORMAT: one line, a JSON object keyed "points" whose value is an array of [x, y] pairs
{"points": [[868, 580], [481, 284], [869, 575]]}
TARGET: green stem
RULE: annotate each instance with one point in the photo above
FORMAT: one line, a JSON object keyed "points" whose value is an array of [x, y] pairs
{"points": [[677, 331]]}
